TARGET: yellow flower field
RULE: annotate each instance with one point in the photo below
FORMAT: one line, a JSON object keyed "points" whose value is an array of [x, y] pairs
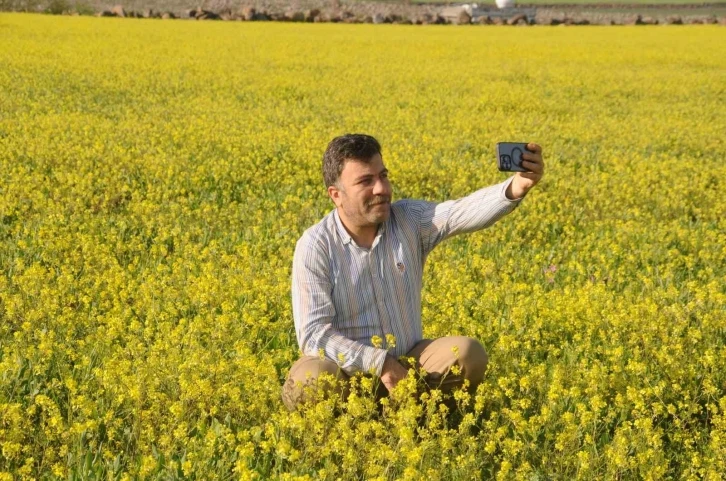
{"points": [[155, 176]]}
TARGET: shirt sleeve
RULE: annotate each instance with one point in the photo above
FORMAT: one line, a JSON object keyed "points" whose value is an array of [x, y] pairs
{"points": [[479, 210], [314, 312]]}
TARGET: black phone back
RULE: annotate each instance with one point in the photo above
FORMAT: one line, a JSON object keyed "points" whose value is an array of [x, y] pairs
{"points": [[509, 156]]}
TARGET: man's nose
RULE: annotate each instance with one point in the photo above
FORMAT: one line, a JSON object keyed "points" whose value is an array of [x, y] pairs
{"points": [[382, 187]]}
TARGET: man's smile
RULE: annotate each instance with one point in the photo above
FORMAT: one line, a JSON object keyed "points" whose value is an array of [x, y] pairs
{"points": [[379, 202]]}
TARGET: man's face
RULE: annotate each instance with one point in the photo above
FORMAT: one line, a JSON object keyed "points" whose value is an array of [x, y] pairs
{"points": [[363, 192]]}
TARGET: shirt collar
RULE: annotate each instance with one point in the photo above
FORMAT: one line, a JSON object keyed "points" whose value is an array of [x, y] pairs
{"points": [[341, 229], [344, 233]]}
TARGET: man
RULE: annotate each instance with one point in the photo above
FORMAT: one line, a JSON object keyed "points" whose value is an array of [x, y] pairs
{"points": [[357, 274]]}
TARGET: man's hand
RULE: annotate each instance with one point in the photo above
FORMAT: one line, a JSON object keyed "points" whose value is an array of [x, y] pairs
{"points": [[523, 181], [392, 372]]}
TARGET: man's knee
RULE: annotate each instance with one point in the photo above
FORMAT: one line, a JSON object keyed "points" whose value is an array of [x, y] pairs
{"points": [[472, 358], [439, 356], [306, 377]]}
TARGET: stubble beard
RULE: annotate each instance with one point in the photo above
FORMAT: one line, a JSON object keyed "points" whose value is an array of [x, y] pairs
{"points": [[376, 218], [369, 215], [373, 211]]}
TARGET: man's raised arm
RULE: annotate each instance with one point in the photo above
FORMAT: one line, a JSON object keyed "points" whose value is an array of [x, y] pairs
{"points": [[480, 209], [439, 221], [314, 311]]}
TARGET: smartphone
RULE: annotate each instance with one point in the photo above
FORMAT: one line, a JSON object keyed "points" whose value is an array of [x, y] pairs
{"points": [[509, 156]]}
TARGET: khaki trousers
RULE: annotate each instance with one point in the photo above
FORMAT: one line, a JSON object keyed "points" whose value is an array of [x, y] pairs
{"points": [[436, 357]]}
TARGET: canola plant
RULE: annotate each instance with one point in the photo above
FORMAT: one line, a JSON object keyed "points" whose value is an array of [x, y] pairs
{"points": [[154, 180]]}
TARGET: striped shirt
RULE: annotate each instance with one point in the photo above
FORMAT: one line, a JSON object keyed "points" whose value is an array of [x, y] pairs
{"points": [[343, 295]]}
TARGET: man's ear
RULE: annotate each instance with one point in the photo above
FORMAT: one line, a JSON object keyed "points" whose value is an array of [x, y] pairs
{"points": [[335, 194]]}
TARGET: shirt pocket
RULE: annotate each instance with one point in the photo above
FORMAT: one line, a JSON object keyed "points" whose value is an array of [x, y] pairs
{"points": [[401, 270]]}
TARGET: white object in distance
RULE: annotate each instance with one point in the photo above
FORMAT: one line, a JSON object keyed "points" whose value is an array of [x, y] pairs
{"points": [[505, 3]]}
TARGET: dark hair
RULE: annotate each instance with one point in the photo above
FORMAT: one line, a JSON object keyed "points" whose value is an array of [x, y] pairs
{"points": [[359, 147]]}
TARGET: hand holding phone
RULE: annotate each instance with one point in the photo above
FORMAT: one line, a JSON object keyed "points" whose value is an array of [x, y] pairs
{"points": [[509, 156]]}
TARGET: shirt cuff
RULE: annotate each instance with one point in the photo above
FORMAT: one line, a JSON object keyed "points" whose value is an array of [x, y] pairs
{"points": [[373, 359]]}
